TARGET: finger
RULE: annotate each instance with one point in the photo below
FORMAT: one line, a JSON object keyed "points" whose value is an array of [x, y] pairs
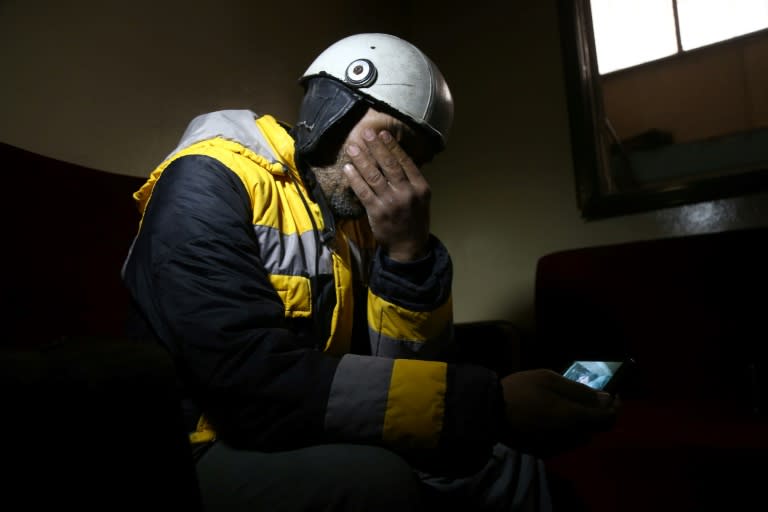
{"points": [[575, 391], [367, 168], [396, 164], [407, 167], [360, 186], [384, 150]]}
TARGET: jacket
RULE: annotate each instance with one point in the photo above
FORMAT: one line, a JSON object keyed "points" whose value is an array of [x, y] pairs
{"points": [[287, 328]]}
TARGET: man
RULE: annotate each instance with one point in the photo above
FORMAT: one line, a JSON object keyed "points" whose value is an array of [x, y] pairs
{"points": [[291, 274]]}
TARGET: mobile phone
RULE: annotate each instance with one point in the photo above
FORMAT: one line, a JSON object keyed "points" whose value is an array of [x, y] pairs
{"points": [[601, 375]]}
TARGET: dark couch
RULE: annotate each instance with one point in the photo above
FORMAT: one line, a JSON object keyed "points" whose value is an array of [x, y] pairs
{"points": [[90, 421], [67, 229], [693, 433]]}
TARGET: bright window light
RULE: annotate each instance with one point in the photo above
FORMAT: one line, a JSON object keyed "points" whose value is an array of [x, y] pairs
{"points": [[630, 32], [704, 22]]}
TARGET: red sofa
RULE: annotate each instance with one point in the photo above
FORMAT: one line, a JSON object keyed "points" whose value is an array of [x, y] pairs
{"points": [[693, 432], [93, 421], [67, 229]]}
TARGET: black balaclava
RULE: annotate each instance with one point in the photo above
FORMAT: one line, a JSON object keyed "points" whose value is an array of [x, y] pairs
{"points": [[328, 112]]}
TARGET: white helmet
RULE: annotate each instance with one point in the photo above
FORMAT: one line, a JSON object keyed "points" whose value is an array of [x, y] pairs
{"points": [[391, 71]]}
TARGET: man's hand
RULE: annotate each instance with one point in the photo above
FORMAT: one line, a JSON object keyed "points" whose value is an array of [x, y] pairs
{"points": [[393, 192], [548, 413]]}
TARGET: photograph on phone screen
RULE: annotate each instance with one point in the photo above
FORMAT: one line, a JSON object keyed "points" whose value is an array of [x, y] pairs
{"points": [[594, 374]]}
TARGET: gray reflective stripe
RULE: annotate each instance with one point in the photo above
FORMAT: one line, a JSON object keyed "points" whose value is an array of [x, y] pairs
{"points": [[361, 261], [358, 398], [235, 125], [292, 254], [384, 346]]}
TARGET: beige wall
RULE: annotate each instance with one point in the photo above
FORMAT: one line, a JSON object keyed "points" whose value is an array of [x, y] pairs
{"points": [[113, 89]]}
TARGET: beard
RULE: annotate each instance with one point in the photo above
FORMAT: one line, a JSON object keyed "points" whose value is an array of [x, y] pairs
{"points": [[344, 204], [340, 197]]}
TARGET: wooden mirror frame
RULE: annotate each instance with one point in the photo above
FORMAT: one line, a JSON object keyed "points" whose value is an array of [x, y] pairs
{"points": [[598, 195]]}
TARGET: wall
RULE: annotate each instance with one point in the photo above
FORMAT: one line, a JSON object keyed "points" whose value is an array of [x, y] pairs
{"points": [[112, 85], [112, 89]]}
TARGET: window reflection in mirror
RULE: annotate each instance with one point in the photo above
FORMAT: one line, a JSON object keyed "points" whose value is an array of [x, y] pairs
{"points": [[675, 95]]}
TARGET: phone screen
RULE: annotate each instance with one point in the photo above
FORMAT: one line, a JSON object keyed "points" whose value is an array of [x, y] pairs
{"points": [[595, 374]]}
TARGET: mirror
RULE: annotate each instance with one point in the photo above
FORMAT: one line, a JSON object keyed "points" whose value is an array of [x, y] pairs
{"points": [[688, 127]]}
